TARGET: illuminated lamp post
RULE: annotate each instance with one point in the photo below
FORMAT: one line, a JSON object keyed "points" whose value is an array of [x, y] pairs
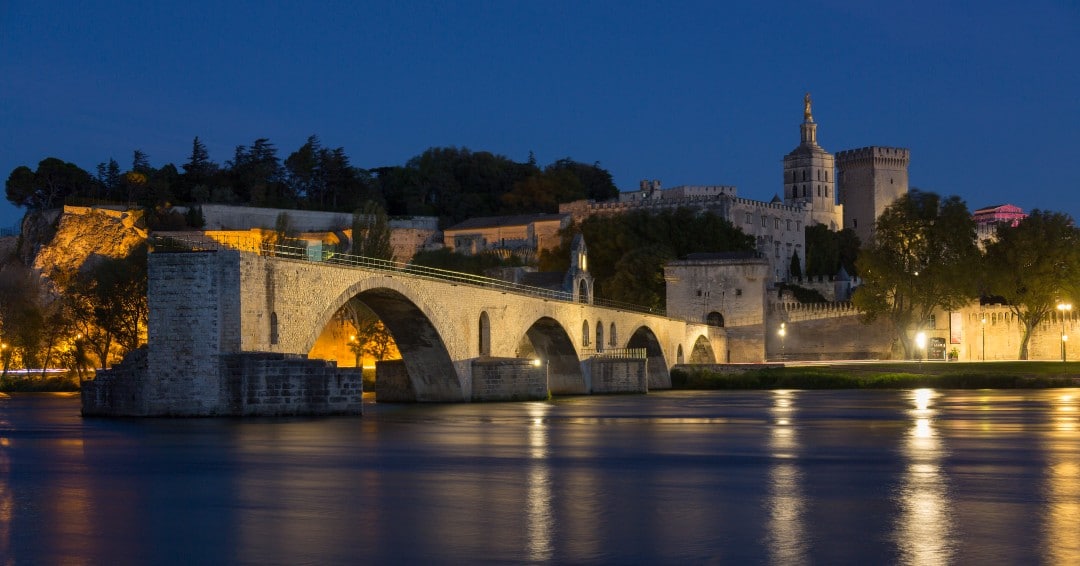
{"points": [[984, 338], [1064, 308], [355, 347], [3, 359], [783, 333]]}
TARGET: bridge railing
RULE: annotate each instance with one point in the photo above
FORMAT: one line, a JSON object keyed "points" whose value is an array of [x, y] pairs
{"points": [[303, 253], [616, 353]]}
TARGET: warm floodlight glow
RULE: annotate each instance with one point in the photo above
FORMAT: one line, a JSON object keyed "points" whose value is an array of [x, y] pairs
{"points": [[783, 329], [536, 362], [1064, 308], [920, 340]]}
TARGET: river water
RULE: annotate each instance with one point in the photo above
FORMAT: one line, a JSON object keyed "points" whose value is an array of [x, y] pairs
{"points": [[760, 477]]}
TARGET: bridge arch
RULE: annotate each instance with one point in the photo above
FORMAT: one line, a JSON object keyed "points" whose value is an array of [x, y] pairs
{"points": [[415, 328], [702, 352], [548, 341], [645, 338]]}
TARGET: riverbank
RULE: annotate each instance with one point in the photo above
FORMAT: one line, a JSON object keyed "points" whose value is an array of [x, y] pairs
{"points": [[882, 375], [35, 383]]}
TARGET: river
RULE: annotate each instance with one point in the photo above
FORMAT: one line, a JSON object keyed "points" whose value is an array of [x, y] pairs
{"points": [[758, 477]]}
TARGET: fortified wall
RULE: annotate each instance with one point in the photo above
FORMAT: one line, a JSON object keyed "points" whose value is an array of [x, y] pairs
{"points": [[823, 331]]}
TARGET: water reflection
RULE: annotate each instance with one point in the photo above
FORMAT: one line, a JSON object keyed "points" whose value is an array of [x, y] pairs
{"points": [[539, 519], [924, 529], [786, 539], [1062, 484]]}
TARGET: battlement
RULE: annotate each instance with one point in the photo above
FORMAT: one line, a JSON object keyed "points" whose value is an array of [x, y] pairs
{"points": [[896, 156], [795, 311]]}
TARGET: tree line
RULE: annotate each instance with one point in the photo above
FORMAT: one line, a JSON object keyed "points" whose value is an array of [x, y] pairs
{"points": [[925, 257], [447, 182]]}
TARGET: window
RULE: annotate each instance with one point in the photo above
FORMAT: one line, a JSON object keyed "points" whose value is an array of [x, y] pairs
{"points": [[789, 225], [776, 223], [777, 249], [819, 174], [738, 292], [599, 335], [819, 190], [749, 218], [585, 333], [485, 334], [763, 221], [611, 336]]}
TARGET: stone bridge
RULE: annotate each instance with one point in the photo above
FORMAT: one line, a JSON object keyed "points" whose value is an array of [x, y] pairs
{"points": [[453, 331]]}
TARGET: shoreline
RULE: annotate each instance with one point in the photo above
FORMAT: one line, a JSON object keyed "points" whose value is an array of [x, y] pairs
{"points": [[879, 375]]}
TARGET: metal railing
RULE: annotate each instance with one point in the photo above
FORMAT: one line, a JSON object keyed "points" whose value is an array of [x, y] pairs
{"points": [[332, 257], [616, 353]]}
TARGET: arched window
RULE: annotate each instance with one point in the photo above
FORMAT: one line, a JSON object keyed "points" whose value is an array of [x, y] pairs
{"points": [[715, 319], [273, 328], [611, 336], [599, 336], [485, 334], [583, 291], [585, 333]]}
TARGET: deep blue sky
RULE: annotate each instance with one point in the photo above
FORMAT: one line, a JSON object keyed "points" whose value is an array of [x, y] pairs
{"points": [[985, 94]]}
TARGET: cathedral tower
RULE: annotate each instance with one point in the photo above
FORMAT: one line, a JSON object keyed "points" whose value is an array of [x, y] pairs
{"points": [[870, 179], [809, 179]]}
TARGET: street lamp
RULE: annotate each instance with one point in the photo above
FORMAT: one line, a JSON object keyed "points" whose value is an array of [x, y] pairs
{"points": [[782, 332], [984, 338], [1064, 308], [920, 344]]}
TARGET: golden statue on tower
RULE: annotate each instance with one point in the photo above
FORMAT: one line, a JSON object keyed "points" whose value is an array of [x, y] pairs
{"points": [[806, 108]]}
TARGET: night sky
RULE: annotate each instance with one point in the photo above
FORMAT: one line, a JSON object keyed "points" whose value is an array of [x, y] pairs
{"points": [[985, 94]]}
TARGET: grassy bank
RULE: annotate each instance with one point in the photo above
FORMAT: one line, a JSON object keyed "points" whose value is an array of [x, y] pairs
{"points": [[885, 375], [53, 382]]}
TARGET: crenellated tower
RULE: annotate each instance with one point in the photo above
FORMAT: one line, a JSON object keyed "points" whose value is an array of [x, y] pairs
{"points": [[809, 180], [870, 179]]}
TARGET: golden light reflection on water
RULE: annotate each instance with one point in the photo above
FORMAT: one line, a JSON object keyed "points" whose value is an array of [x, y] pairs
{"points": [[786, 530], [1062, 484], [924, 527], [539, 518]]}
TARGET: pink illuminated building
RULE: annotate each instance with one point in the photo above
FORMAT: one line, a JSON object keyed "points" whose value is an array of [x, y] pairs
{"points": [[988, 219]]}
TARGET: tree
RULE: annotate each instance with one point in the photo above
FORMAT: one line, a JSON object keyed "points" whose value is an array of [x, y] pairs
{"points": [[108, 304], [371, 233], [140, 162], [796, 266], [48, 186], [1034, 266], [371, 336], [21, 317], [923, 258]]}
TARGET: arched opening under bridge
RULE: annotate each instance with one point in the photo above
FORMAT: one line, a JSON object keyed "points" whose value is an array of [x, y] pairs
{"points": [[549, 342]]}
